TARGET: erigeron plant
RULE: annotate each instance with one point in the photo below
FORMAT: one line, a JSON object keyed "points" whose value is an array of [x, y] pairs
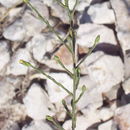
{"points": [[70, 43]]}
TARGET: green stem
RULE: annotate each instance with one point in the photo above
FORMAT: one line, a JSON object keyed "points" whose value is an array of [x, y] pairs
{"points": [[48, 24], [90, 51], [52, 79]]}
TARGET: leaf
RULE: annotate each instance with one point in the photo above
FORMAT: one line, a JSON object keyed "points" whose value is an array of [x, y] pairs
{"points": [[97, 39], [25, 63], [26, 1]]}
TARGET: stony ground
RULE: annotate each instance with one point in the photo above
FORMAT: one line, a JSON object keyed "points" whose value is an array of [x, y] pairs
{"points": [[26, 97]]}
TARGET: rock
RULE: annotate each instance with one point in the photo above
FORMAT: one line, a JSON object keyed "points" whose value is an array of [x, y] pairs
{"points": [[7, 92], [54, 90], [32, 25], [15, 68], [37, 103], [105, 114], [81, 5], [88, 32], [39, 45], [112, 93], [127, 64], [15, 13], [11, 126], [109, 125], [82, 123], [41, 7], [126, 86], [11, 113], [57, 10], [101, 13], [10, 3], [63, 54], [90, 100], [4, 55], [37, 125], [122, 22], [106, 72], [122, 117], [15, 31]]}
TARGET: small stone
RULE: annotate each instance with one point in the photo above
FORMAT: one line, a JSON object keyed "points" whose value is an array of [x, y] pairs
{"points": [[32, 25], [122, 22], [127, 64], [122, 117], [15, 31], [82, 123], [10, 125], [105, 114], [10, 3], [81, 5], [54, 90], [4, 55], [90, 99], [15, 68], [88, 32], [101, 13], [37, 125], [39, 45], [112, 93], [107, 72], [126, 86], [7, 92], [109, 125], [37, 103], [14, 13], [57, 10]]}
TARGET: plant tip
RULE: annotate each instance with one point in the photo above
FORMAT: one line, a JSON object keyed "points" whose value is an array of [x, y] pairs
{"points": [[26, 1], [24, 63]]}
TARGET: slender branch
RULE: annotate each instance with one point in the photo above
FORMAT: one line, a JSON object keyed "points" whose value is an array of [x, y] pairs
{"points": [[90, 51], [47, 23], [62, 65], [46, 75], [49, 118], [60, 3], [81, 94]]}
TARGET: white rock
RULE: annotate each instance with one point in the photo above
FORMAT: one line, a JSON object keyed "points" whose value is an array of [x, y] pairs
{"points": [[82, 123], [32, 24], [107, 126], [15, 31], [112, 94], [4, 54], [57, 10], [39, 45], [122, 117], [37, 103], [15, 68], [10, 125], [124, 39], [88, 32], [101, 13], [81, 5], [127, 64], [40, 6], [7, 93], [105, 114], [122, 22], [10, 3], [14, 13], [37, 125], [107, 72], [56, 94], [90, 99], [126, 86]]}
